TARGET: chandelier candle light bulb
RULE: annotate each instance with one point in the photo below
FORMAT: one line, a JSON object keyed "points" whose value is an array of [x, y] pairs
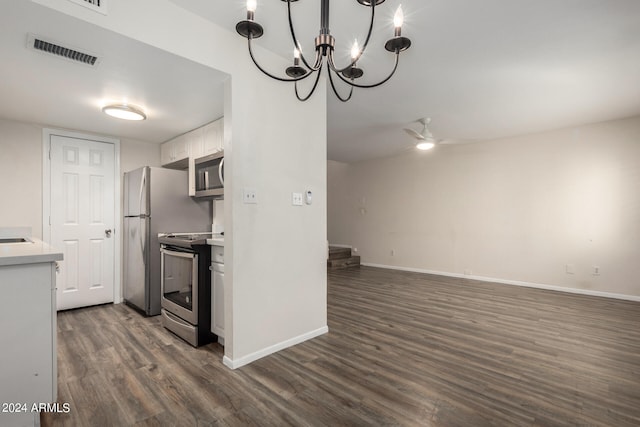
{"points": [[324, 50], [251, 5], [296, 56], [398, 18], [355, 51]]}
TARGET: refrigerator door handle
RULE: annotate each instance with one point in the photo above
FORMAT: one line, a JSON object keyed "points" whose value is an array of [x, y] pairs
{"points": [[142, 247], [143, 184]]}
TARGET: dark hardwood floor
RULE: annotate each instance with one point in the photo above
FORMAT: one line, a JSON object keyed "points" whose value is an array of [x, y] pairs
{"points": [[402, 349]]}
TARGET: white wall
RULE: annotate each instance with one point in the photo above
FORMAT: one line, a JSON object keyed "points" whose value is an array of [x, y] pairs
{"points": [[275, 254], [21, 171], [135, 154], [518, 209], [21, 176]]}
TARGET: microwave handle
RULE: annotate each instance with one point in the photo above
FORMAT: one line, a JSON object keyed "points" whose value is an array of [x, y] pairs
{"points": [[220, 174], [206, 180]]}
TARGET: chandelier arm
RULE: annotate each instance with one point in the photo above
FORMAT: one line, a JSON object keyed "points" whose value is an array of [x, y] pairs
{"points": [[335, 90], [313, 89], [364, 46], [268, 73], [318, 62], [351, 83]]}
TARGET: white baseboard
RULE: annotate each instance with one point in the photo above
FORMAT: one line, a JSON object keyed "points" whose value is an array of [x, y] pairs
{"points": [[245, 360], [511, 282]]}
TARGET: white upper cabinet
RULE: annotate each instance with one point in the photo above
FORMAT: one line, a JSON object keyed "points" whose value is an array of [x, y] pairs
{"points": [[181, 147], [166, 153], [213, 137], [180, 151], [175, 152], [196, 147]]}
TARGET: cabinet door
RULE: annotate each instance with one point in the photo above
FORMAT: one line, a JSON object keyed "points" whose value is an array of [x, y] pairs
{"points": [[180, 147], [213, 137], [217, 305], [195, 138], [28, 335], [166, 153]]}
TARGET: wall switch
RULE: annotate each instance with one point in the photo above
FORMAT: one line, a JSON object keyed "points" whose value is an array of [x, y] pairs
{"points": [[296, 199], [569, 269], [249, 195]]}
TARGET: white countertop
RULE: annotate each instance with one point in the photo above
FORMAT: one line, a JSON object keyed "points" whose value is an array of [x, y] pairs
{"points": [[217, 240], [32, 252]]}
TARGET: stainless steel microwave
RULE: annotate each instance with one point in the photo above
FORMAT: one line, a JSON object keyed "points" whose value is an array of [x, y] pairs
{"points": [[209, 175]]}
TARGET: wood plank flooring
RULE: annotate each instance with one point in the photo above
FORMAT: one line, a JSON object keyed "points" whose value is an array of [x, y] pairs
{"points": [[403, 349]]}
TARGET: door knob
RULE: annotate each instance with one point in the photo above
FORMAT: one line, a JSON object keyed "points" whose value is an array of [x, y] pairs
{"points": [[107, 233]]}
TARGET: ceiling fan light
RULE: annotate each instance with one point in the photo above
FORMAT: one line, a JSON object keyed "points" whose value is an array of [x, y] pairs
{"points": [[425, 145], [124, 111]]}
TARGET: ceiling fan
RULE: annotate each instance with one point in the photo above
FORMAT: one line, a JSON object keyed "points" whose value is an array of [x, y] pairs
{"points": [[426, 140]]}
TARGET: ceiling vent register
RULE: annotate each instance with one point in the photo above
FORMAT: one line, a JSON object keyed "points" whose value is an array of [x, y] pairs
{"points": [[96, 5], [53, 48]]}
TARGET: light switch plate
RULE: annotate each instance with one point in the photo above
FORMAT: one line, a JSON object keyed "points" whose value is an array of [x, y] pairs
{"points": [[296, 199]]}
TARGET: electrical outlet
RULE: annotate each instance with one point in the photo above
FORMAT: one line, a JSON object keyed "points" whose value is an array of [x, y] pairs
{"points": [[596, 270], [468, 272], [393, 252], [296, 199], [569, 269], [249, 196]]}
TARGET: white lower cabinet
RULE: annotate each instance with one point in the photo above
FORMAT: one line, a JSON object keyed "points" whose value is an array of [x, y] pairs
{"points": [[217, 292], [28, 333]]}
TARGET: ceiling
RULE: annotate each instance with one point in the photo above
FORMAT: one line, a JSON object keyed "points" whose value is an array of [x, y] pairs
{"points": [[178, 95], [480, 70]]}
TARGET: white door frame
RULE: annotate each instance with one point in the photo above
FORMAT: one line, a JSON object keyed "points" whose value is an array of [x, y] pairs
{"points": [[46, 197]]}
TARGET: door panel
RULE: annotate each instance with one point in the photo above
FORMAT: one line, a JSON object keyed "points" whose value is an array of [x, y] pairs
{"points": [[82, 210]]}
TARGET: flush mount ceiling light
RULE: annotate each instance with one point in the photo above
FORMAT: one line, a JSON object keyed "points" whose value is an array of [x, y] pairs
{"points": [[324, 47], [124, 111]]}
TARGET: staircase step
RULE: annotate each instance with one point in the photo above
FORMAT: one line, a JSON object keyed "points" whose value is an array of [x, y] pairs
{"points": [[353, 261], [339, 253]]}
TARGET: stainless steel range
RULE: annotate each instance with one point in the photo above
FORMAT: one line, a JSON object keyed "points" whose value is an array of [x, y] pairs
{"points": [[185, 283]]}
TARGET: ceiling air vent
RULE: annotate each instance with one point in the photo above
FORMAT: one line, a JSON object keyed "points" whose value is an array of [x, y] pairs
{"points": [[65, 52], [96, 5]]}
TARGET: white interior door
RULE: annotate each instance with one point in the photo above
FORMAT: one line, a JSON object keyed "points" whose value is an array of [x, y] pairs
{"points": [[82, 219]]}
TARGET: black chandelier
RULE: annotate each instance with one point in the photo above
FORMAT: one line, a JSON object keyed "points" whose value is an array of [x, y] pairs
{"points": [[325, 44]]}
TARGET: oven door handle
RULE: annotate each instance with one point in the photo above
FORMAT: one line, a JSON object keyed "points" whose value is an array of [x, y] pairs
{"points": [[189, 255]]}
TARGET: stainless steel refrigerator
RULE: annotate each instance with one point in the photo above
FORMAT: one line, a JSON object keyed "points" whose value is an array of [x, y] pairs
{"points": [[156, 201]]}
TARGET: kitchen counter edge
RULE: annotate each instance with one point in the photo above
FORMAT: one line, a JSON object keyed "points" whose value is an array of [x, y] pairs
{"points": [[33, 252], [216, 241]]}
